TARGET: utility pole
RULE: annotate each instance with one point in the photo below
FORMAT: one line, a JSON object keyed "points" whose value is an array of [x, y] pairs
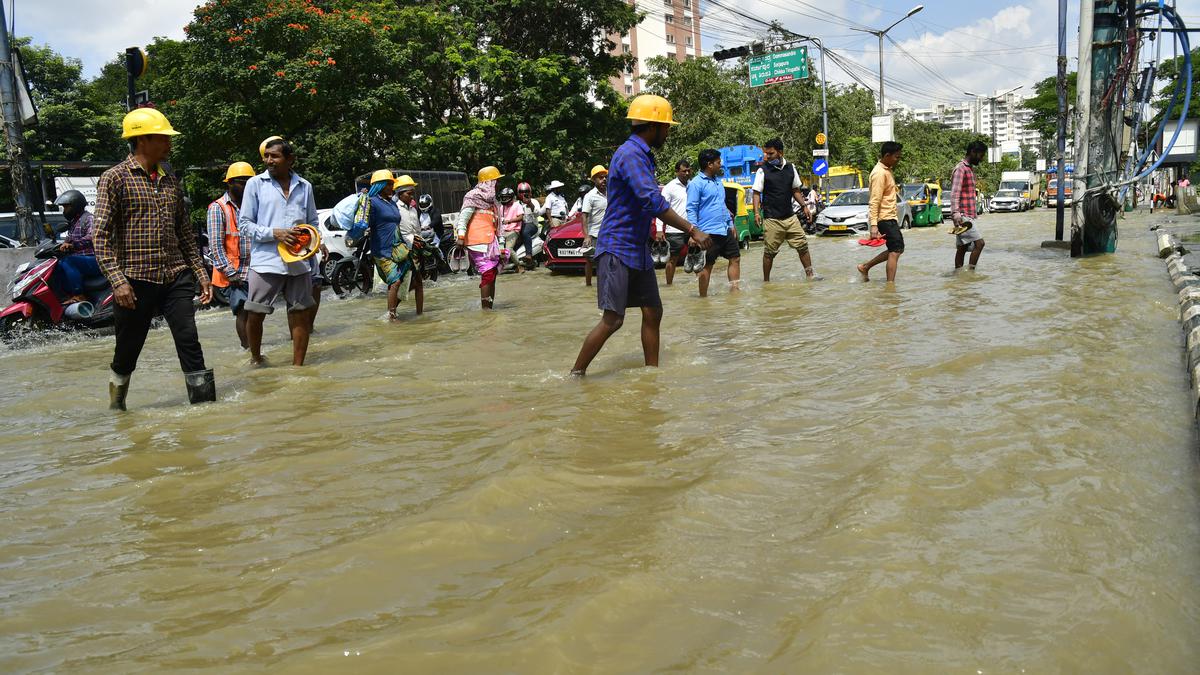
{"points": [[1101, 45], [18, 160], [1059, 209], [879, 34]]}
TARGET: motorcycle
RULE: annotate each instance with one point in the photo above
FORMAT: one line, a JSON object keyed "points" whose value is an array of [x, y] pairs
{"points": [[516, 255], [428, 260], [37, 306], [355, 272]]}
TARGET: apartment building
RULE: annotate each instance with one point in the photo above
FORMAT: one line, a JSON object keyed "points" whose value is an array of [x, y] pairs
{"points": [[671, 28], [976, 115]]}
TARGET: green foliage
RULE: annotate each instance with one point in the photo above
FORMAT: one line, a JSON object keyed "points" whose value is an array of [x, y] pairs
{"points": [[1044, 105], [1170, 71]]}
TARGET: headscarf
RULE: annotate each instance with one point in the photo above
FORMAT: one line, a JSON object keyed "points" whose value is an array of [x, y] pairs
{"points": [[362, 214], [482, 196]]}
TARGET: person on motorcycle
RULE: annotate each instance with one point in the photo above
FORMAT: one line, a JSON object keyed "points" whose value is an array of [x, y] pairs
{"points": [[431, 218], [512, 220], [529, 229], [147, 249], [79, 263], [584, 188], [554, 211], [477, 229], [229, 248]]}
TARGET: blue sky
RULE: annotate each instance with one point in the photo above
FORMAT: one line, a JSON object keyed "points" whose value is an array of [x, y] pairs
{"points": [[973, 45]]}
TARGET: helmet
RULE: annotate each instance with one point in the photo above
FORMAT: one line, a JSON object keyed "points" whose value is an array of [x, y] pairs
{"points": [[650, 108], [262, 147], [525, 187], [144, 122], [405, 181], [584, 188], [598, 170], [382, 175], [73, 198], [425, 202], [489, 173], [506, 195], [239, 170]]}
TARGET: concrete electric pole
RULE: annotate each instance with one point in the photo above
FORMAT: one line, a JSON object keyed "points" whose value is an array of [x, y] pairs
{"points": [[14, 138]]}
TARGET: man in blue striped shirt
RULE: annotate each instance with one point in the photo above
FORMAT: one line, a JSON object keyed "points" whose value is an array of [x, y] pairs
{"points": [[624, 268]]}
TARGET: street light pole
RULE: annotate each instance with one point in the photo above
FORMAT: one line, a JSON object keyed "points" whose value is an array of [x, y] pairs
{"points": [[879, 34]]}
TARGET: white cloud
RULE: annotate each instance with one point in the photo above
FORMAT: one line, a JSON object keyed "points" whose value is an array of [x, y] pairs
{"points": [[95, 31]]}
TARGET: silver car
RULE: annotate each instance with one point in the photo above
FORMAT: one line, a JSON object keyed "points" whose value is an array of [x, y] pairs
{"points": [[847, 214], [1007, 200]]}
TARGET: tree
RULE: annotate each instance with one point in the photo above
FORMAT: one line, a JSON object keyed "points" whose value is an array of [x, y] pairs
{"points": [[1044, 105]]}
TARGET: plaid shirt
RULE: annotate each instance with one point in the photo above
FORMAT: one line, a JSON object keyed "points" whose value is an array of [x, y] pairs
{"points": [[80, 236], [141, 227], [962, 192], [634, 199], [218, 229]]}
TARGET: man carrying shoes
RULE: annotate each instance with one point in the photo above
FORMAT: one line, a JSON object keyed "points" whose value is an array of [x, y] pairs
{"points": [[624, 266], [881, 212], [275, 202], [148, 251]]}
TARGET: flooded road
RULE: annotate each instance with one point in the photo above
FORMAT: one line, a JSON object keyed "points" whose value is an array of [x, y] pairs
{"points": [[992, 472]]}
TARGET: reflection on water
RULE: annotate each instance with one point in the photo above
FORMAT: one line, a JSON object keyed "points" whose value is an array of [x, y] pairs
{"points": [[990, 471]]}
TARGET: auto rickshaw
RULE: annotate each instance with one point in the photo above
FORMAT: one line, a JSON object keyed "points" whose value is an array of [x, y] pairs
{"points": [[743, 219], [926, 202]]}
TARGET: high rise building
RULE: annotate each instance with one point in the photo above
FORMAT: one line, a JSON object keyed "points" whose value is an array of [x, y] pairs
{"points": [[671, 28]]}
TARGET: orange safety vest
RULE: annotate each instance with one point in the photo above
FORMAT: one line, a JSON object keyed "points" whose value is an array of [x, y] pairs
{"points": [[232, 243], [481, 229]]}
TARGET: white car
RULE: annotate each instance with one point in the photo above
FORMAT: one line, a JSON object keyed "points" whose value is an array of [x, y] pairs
{"points": [[1007, 200], [334, 238]]}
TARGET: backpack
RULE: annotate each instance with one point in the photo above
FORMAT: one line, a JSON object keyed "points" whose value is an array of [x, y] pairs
{"points": [[352, 214]]}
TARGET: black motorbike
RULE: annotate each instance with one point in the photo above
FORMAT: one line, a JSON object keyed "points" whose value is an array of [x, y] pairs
{"points": [[354, 273]]}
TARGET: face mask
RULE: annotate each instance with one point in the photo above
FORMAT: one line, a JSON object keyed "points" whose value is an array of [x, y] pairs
{"points": [[777, 163]]}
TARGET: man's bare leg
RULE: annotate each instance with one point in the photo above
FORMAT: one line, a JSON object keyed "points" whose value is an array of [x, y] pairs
{"points": [[610, 323], [487, 295], [254, 333], [705, 274], [806, 260], [393, 299], [960, 254], [239, 324], [865, 268], [976, 253], [298, 324], [768, 262], [417, 286], [587, 271], [735, 275], [651, 321], [893, 261]]}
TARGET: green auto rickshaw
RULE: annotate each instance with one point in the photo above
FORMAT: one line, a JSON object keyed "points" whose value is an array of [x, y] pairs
{"points": [[925, 199], [744, 222]]}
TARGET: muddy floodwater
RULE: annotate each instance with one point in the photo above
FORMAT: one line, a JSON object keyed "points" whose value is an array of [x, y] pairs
{"points": [[985, 473]]}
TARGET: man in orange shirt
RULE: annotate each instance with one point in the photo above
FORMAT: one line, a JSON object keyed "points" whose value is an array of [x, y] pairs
{"points": [[881, 213]]}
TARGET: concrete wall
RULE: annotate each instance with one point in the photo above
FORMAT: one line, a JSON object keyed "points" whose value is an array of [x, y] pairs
{"points": [[10, 260]]}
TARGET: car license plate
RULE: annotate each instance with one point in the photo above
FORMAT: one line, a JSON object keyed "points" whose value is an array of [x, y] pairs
{"points": [[570, 253], [838, 228]]}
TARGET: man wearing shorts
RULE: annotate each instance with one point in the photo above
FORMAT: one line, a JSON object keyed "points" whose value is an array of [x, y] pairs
{"points": [[275, 202], [230, 249], [881, 212], [707, 210], [963, 206], [776, 184], [675, 192], [624, 266]]}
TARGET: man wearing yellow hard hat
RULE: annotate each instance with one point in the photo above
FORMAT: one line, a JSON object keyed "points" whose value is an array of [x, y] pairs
{"points": [[592, 206], [279, 214], [228, 247], [624, 267], [148, 251]]}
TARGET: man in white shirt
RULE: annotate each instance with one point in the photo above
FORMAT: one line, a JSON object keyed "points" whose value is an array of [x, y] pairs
{"points": [[595, 203], [675, 193], [555, 208], [776, 185]]}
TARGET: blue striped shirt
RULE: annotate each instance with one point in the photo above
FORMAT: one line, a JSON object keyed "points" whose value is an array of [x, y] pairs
{"points": [[634, 199], [706, 205]]}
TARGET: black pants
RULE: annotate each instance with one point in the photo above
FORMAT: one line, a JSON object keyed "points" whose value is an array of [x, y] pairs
{"points": [[174, 301]]}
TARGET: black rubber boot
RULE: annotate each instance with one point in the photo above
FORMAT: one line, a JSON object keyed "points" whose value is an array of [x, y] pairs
{"points": [[201, 386], [118, 389]]}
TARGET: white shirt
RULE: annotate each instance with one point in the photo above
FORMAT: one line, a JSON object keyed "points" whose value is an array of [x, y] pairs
{"points": [[555, 206], [410, 223], [758, 178], [675, 193], [594, 205]]}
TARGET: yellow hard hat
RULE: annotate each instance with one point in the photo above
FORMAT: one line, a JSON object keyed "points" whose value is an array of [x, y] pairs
{"points": [[144, 122], [309, 244], [239, 170], [489, 173], [405, 181], [262, 147], [650, 108], [382, 175], [598, 169]]}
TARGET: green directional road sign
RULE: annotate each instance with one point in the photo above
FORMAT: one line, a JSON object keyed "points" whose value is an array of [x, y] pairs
{"points": [[776, 67]]}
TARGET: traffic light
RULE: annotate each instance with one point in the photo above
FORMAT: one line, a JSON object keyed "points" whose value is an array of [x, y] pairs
{"points": [[731, 53]]}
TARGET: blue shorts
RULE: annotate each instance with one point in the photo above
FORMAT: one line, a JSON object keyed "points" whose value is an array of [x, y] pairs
{"points": [[237, 294], [620, 286]]}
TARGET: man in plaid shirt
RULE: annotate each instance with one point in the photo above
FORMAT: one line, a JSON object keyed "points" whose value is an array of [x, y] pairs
{"points": [[229, 248], [149, 253], [963, 206]]}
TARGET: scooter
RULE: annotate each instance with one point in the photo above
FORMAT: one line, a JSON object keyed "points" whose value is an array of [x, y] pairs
{"points": [[36, 305], [518, 254]]}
